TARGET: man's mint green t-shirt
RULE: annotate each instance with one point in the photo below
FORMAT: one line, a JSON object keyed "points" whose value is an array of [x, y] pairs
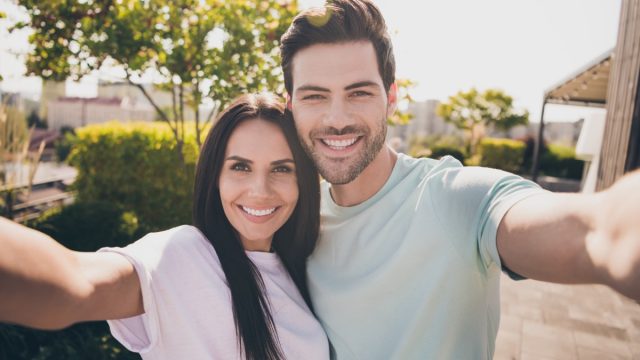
{"points": [[413, 272]]}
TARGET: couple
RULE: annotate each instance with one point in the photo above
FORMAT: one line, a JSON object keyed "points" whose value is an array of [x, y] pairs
{"points": [[408, 259]]}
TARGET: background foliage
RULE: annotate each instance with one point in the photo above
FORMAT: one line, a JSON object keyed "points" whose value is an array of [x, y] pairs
{"points": [[474, 111], [504, 154], [195, 49], [135, 167], [82, 227]]}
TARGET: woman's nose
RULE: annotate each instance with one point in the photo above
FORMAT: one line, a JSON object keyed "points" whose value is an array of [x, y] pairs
{"points": [[260, 187]]}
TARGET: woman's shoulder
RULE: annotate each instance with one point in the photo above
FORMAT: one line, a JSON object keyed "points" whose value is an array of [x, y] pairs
{"points": [[179, 244], [177, 236]]}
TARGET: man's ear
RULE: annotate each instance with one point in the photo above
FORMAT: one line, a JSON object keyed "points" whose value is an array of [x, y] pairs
{"points": [[392, 99], [288, 97]]}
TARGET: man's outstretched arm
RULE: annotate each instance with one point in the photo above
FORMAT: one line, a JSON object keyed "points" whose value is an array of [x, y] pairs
{"points": [[577, 238]]}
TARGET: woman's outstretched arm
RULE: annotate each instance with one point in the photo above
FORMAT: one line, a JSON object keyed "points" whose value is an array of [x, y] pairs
{"points": [[47, 286]]}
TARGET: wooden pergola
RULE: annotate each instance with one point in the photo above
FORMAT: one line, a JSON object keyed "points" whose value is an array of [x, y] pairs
{"points": [[612, 81], [621, 142]]}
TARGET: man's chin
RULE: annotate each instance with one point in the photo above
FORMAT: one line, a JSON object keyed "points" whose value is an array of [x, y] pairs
{"points": [[338, 173]]}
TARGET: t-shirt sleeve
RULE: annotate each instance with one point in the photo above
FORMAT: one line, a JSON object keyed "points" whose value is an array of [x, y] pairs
{"points": [[152, 256], [470, 203]]}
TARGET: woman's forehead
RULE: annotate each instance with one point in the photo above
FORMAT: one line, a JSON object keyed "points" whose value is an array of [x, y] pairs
{"points": [[260, 139]]}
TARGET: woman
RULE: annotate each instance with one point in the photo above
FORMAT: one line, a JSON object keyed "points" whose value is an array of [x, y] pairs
{"points": [[233, 286]]}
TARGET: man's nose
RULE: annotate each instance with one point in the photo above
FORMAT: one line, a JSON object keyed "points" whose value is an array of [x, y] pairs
{"points": [[337, 115]]}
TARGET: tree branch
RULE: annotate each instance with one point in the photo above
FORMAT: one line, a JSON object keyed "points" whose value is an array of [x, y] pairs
{"points": [[181, 97], [154, 104]]}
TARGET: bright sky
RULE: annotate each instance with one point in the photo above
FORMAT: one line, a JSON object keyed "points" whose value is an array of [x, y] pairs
{"points": [[522, 47]]}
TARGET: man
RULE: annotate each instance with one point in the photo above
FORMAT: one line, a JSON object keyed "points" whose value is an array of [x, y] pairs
{"points": [[410, 255]]}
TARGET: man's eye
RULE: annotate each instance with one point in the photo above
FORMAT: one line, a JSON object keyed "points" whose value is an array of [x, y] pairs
{"points": [[240, 167], [360, 93], [313, 97]]}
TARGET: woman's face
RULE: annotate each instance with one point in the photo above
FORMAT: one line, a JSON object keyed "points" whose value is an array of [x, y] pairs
{"points": [[258, 185]]}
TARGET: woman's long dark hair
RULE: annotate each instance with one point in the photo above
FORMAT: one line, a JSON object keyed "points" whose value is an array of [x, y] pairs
{"points": [[293, 242]]}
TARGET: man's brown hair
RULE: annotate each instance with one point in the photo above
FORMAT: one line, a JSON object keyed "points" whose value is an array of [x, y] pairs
{"points": [[339, 21]]}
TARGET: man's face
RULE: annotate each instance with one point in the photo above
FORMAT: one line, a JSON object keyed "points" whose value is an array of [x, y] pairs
{"points": [[340, 107]]}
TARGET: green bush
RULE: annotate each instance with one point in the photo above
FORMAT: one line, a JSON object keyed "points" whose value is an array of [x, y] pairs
{"points": [[437, 146], [438, 151], [504, 154], [560, 161], [82, 227], [90, 340], [88, 226], [136, 167], [64, 144]]}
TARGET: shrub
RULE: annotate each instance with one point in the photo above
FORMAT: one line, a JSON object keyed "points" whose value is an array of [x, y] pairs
{"points": [[88, 226], [136, 167], [504, 154], [83, 341], [64, 144], [560, 161], [439, 151], [82, 227], [437, 146]]}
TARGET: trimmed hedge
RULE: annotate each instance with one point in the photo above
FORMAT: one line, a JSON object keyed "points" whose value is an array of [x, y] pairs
{"points": [[504, 154], [438, 151], [136, 167], [89, 226], [90, 340], [560, 161]]}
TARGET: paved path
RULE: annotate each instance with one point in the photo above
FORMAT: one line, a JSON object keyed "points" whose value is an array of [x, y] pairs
{"points": [[548, 321]]}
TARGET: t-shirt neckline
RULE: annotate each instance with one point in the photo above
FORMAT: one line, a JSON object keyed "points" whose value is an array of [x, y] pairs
{"points": [[334, 208]]}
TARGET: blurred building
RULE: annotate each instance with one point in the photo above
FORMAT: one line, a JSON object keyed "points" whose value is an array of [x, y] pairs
{"points": [[51, 91], [133, 95], [555, 132], [75, 112], [424, 122], [16, 100]]}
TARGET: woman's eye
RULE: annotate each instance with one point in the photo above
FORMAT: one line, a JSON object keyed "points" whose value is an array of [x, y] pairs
{"points": [[240, 167], [282, 169]]}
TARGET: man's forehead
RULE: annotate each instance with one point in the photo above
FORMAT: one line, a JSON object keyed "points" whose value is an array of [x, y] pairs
{"points": [[335, 65]]}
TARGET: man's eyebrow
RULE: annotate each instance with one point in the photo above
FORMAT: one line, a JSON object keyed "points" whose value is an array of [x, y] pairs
{"points": [[312, 88], [360, 84]]}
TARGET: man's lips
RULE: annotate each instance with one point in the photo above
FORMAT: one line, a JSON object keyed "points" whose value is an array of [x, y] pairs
{"points": [[341, 143]]}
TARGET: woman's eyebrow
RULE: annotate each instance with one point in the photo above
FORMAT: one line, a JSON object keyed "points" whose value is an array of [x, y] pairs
{"points": [[237, 158], [276, 162], [283, 161]]}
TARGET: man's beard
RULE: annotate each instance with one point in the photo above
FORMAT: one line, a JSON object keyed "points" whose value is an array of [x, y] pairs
{"points": [[345, 170]]}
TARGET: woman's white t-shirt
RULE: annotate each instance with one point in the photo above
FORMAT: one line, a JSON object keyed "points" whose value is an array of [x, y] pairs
{"points": [[188, 310]]}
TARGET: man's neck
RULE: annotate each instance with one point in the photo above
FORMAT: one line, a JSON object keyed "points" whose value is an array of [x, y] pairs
{"points": [[369, 182]]}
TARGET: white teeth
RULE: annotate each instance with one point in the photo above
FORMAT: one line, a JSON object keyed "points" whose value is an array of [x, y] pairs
{"points": [[339, 144], [255, 212]]}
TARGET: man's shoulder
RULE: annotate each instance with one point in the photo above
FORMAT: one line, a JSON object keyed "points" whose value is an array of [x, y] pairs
{"points": [[427, 167]]}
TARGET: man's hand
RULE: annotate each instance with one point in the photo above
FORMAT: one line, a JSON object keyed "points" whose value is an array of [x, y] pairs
{"points": [[577, 238], [615, 241]]}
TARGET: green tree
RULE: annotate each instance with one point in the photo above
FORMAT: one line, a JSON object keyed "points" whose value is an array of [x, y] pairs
{"points": [[194, 49], [400, 116], [473, 112]]}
